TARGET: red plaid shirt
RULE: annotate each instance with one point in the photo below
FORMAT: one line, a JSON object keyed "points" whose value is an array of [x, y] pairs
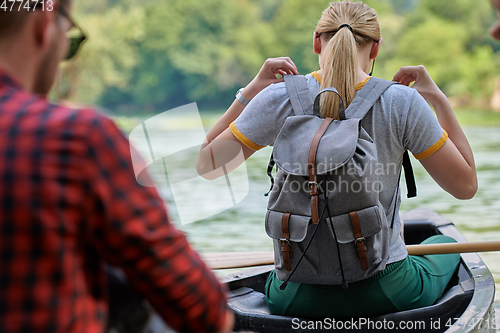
{"points": [[69, 201]]}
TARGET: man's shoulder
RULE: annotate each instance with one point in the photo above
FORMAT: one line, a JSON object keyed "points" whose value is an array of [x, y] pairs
{"points": [[65, 111], [64, 116], [26, 105], [61, 118]]}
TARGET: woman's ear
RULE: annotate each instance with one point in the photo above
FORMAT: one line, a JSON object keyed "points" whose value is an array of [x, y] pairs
{"points": [[316, 43], [375, 49]]}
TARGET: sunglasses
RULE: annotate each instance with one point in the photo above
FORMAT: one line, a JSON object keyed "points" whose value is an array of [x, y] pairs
{"points": [[75, 35]]}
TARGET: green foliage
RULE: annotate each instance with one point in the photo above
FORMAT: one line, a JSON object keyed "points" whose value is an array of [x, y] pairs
{"points": [[437, 51], [475, 17], [294, 23], [157, 54], [477, 73], [450, 38], [108, 56]]}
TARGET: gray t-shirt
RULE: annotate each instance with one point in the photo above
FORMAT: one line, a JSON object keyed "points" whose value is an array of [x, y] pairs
{"points": [[400, 119]]}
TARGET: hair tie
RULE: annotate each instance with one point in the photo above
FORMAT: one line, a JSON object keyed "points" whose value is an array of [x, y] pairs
{"points": [[345, 25]]}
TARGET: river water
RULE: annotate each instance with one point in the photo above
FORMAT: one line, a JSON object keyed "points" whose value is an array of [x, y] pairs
{"points": [[241, 228]]}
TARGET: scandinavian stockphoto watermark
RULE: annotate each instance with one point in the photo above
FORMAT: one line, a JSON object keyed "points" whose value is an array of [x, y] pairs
{"points": [[168, 146], [339, 185], [350, 177]]}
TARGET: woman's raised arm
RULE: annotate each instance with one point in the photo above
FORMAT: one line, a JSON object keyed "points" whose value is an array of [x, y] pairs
{"points": [[452, 166], [220, 146]]}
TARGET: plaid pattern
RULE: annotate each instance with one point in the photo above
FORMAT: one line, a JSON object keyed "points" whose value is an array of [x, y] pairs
{"points": [[69, 201]]}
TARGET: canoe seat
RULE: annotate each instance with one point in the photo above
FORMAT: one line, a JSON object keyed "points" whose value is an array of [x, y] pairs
{"points": [[248, 301]]}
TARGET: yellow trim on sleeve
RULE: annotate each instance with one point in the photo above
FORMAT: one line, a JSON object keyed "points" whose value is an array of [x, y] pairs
{"points": [[358, 86], [435, 147], [243, 139]]}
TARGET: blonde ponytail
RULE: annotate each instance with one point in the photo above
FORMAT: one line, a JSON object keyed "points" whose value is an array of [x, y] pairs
{"points": [[339, 63], [345, 27]]}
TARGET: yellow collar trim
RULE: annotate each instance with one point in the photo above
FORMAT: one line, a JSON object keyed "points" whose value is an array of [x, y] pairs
{"points": [[358, 86], [317, 77], [362, 83]]}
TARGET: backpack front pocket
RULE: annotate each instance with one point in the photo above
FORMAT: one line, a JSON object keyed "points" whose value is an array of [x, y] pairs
{"points": [[291, 233], [363, 237]]}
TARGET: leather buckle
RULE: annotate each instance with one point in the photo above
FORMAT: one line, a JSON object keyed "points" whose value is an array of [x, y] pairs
{"points": [[359, 240], [313, 188], [285, 240]]}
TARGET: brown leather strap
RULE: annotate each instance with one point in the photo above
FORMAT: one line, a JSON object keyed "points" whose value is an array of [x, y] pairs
{"points": [[360, 240], [285, 241], [313, 181]]}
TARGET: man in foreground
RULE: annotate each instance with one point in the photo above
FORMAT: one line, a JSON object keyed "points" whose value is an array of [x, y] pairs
{"points": [[69, 202]]}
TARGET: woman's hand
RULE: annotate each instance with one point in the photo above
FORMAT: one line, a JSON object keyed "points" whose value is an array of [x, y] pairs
{"points": [[267, 75], [423, 82]]}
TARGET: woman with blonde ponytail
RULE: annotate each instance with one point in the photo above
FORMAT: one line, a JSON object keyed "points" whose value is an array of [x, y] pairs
{"points": [[347, 40]]}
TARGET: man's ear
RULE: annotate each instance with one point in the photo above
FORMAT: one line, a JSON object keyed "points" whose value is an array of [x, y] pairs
{"points": [[43, 27], [375, 49], [316, 43]]}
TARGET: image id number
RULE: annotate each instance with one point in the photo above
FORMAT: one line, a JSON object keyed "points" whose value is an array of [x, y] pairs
{"points": [[482, 323], [27, 5]]}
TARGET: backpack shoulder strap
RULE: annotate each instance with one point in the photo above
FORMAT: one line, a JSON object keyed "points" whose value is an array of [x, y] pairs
{"points": [[367, 97], [300, 97]]}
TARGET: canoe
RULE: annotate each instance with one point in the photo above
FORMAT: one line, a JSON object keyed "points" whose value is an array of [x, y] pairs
{"points": [[466, 305]]}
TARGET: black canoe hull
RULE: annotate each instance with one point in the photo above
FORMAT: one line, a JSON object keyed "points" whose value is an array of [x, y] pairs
{"points": [[467, 306]]}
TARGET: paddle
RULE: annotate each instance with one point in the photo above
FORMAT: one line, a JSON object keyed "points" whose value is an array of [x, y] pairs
{"points": [[225, 260]]}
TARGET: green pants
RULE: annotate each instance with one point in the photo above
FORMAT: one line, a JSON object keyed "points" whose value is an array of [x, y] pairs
{"points": [[407, 284]]}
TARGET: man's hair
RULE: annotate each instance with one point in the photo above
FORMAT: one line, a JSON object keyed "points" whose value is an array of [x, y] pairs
{"points": [[13, 21]]}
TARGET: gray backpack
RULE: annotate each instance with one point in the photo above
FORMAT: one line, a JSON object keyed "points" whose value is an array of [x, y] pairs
{"points": [[324, 214]]}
